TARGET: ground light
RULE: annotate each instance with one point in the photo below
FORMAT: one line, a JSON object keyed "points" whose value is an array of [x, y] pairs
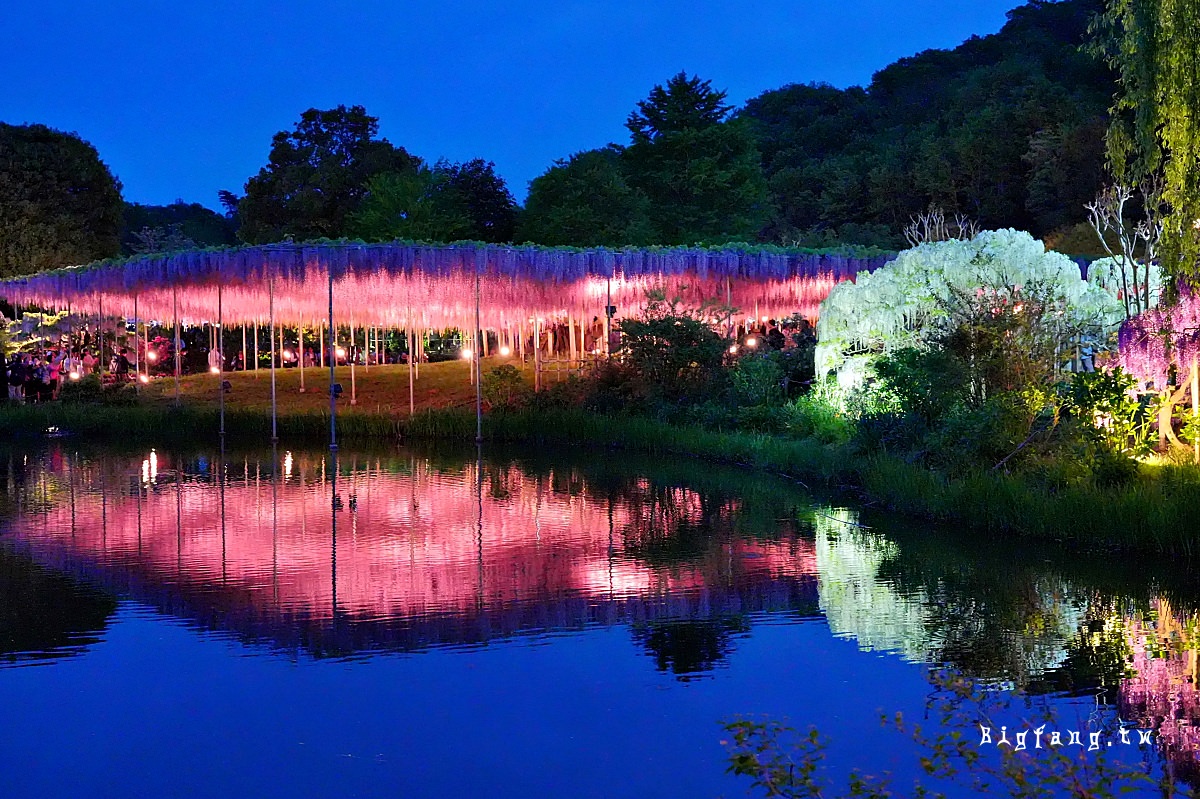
{"points": [[505, 351], [752, 342], [468, 354]]}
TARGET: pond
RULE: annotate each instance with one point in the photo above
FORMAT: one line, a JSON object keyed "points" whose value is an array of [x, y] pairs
{"points": [[510, 623]]}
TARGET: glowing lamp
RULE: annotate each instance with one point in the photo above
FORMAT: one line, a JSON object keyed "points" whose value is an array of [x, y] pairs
{"points": [[341, 352], [151, 356], [143, 378], [74, 375], [468, 354], [733, 350], [505, 351], [287, 355], [765, 319], [752, 342]]}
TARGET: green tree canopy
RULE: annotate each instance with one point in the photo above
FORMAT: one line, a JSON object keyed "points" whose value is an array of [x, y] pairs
{"points": [[701, 172], [179, 220], [316, 176], [401, 205], [59, 204], [586, 201], [1154, 45], [1001, 128], [473, 189], [450, 202], [683, 104]]}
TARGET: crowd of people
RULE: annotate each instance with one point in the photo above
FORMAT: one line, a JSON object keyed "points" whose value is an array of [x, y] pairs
{"points": [[38, 376]]}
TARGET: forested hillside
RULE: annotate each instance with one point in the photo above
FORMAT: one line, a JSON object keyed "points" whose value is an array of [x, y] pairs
{"points": [[1007, 128]]}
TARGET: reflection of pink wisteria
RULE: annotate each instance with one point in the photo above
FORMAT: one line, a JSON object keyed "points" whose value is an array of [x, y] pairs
{"points": [[419, 556], [1160, 691], [399, 285]]}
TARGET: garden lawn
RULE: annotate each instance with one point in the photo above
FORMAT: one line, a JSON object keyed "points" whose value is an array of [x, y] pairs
{"points": [[382, 390]]}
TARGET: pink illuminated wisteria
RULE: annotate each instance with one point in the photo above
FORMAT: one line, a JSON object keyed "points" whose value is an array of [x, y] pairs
{"points": [[1161, 340], [398, 284]]}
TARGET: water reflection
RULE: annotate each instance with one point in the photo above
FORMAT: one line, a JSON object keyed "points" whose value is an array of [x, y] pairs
{"points": [[45, 615], [369, 553], [375, 553]]}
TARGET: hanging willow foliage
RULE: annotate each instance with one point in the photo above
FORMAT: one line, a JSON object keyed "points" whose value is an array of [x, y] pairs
{"points": [[1154, 46]]}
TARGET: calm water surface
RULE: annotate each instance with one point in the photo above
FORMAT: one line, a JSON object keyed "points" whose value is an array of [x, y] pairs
{"points": [[416, 623]]}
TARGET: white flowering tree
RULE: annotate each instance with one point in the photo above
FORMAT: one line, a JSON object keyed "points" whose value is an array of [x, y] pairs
{"points": [[1126, 280], [915, 299]]}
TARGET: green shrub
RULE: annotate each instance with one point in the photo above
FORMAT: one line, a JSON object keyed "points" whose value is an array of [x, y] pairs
{"points": [[925, 382], [1107, 408], [756, 380], [673, 352], [87, 389], [504, 388], [815, 415]]}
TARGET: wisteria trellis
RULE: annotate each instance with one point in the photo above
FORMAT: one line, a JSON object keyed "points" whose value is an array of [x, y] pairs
{"points": [[396, 284]]}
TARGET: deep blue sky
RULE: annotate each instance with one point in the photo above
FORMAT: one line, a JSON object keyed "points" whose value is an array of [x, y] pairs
{"points": [[181, 97]]}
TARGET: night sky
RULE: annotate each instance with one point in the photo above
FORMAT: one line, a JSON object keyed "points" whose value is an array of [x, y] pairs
{"points": [[182, 98]]}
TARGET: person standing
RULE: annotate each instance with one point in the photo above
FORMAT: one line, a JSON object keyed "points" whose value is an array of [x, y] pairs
{"points": [[121, 365], [16, 378]]}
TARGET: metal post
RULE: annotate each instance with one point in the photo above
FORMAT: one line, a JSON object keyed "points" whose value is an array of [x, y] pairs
{"points": [[100, 325], [300, 355], [178, 362], [570, 340], [537, 353], [332, 378], [353, 383], [411, 394], [221, 375], [137, 361], [256, 348], [608, 315], [271, 316], [475, 356]]}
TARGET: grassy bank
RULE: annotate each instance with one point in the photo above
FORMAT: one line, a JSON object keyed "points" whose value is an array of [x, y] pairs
{"points": [[1154, 512]]}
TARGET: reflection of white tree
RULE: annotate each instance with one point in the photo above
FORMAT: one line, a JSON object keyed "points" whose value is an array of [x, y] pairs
{"points": [[856, 602], [930, 623]]}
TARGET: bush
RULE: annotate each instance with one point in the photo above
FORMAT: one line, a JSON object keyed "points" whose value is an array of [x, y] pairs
{"points": [[815, 415], [504, 388], [925, 382], [756, 380], [87, 389], [1107, 409], [673, 352], [610, 386]]}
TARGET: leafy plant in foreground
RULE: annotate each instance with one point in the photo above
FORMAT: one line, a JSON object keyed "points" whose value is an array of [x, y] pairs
{"points": [[781, 762]]}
